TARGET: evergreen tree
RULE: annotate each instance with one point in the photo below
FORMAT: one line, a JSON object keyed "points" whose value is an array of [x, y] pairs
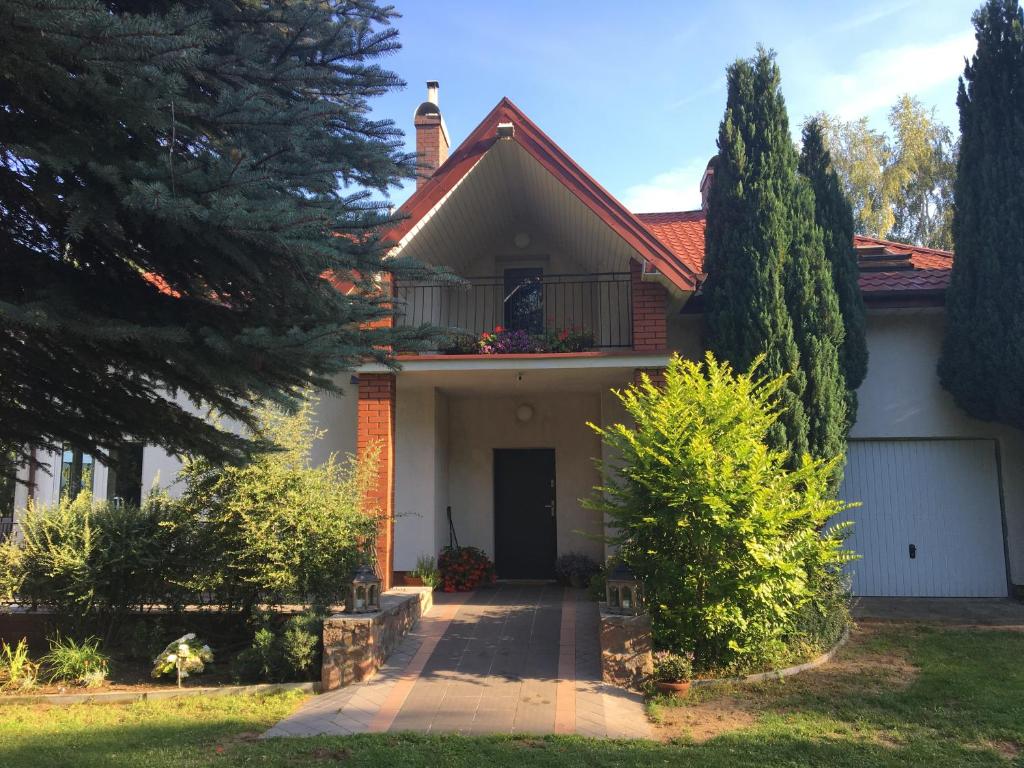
{"points": [[834, 215], [982, 362], [817, 328], [748, 240], [176, 179]]}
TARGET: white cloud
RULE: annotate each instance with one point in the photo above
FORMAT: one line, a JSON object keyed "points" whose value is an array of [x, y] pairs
{"points": [[677, 189], [880, 76], [872, 16]]}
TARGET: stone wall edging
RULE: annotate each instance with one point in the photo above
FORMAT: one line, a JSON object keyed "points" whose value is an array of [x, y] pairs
{"points": [[777, 674]]}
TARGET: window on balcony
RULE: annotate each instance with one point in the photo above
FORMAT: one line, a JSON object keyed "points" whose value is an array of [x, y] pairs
{"points": [[524, 299]]}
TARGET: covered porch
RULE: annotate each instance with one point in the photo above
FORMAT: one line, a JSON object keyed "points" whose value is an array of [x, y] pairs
{"points": [[494, 452]]}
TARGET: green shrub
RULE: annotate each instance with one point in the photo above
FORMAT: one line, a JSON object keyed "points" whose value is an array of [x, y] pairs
{"points": [[821, 620], [286, 652], [142, 638], [71, 662], [88, 559], [279, 529], [729, 543], [427, 572], [17, 670]]}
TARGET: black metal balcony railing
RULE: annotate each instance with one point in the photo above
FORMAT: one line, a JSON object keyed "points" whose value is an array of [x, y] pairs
{"points": [[600, 304]]}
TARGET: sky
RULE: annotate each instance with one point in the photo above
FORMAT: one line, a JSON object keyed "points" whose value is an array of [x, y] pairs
{"points": [[635, 91]]}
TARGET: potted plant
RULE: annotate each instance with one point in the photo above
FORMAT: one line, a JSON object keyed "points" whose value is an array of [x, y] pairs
{"points": [[426, 572], [672, 673], [575, 570]]}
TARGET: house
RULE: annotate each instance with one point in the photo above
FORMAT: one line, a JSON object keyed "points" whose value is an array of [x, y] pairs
{"points": [[495, 449]]}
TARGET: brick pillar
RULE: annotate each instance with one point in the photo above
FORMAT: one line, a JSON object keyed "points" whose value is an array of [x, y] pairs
{"points": [[656, 375], [377, 427], [650, 312]]}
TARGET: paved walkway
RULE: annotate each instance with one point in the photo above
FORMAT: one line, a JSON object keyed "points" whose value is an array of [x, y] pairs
{"points": [[513, 659], [944, 610]]}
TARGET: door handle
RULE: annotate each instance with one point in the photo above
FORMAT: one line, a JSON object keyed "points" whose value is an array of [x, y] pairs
{"points": [[550, 506]]}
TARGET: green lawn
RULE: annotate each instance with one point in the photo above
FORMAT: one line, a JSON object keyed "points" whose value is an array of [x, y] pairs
{"points": [[898, 696]]}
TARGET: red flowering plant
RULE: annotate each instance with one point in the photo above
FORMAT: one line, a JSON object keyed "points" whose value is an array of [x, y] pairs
{"points": [[503, 341], [464, 568], [568, 340]]}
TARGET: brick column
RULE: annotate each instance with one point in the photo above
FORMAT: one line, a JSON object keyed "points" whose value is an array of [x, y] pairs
{"points": [[377, 427], [650, 312], [656, 375]]}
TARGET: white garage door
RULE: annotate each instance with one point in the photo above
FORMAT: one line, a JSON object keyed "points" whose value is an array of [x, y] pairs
{"points": [[930, 522]]}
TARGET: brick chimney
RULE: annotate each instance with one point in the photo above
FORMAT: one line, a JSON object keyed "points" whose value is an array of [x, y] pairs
{"points": [[431, 135], [705, 183]]}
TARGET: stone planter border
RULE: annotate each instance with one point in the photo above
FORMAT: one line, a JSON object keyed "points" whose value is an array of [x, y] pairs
{"points": [[776, 674], [158, 694], [357, 644]]}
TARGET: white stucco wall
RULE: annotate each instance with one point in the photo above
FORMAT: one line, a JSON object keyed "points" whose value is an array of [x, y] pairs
{"points": [[901, 398], [419, 476], [478, 425]]}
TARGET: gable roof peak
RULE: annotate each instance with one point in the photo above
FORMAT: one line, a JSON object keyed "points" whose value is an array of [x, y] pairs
{"points": [[559, 164]]}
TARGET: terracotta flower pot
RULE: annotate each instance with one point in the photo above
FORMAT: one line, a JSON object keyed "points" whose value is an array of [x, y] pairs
{"points": [[680, 689]]}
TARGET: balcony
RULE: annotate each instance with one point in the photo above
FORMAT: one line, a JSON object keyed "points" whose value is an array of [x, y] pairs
{"points": [[555, 312]]}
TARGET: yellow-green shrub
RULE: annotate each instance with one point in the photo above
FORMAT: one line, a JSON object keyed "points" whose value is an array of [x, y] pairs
{"points": [[728, 541]]}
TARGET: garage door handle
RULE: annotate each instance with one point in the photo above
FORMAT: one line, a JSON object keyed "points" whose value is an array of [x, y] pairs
{"points": [[913, 551]]}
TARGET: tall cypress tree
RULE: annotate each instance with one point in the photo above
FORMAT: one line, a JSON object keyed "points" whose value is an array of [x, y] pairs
{"points": [[748, 239], [834, 215], [982, 362], [175, 180], [817, 326]]}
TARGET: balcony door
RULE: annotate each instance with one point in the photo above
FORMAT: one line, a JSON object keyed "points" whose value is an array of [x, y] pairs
{"points": [[524, 299]]}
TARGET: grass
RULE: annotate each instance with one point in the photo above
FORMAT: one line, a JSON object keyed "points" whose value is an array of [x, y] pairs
{"points": [[897, 696]]}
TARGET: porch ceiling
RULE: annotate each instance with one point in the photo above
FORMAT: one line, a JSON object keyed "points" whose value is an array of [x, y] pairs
{"points": [[497, 375], [505, 193]]}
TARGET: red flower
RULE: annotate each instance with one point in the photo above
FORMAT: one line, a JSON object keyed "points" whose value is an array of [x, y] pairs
{"points": [[499, 329]]}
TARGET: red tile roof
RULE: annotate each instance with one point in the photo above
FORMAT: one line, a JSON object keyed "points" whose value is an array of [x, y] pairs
{"points": [[682, 231], [929, 268]]}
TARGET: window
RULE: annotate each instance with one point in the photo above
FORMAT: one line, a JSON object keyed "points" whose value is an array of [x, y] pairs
{"points": [[75, 472], [8, 485], [524, 299], [124, 476]]}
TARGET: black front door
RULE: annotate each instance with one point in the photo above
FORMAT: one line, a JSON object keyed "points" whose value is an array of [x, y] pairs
{"points": [[524, 513]]}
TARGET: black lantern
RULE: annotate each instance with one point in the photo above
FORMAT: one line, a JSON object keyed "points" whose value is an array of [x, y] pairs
{"points": [[624, 592], [364, 596]]}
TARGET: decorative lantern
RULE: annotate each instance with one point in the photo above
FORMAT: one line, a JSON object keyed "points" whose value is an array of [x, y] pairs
{"points": [[364, 596], [624, 592]]}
